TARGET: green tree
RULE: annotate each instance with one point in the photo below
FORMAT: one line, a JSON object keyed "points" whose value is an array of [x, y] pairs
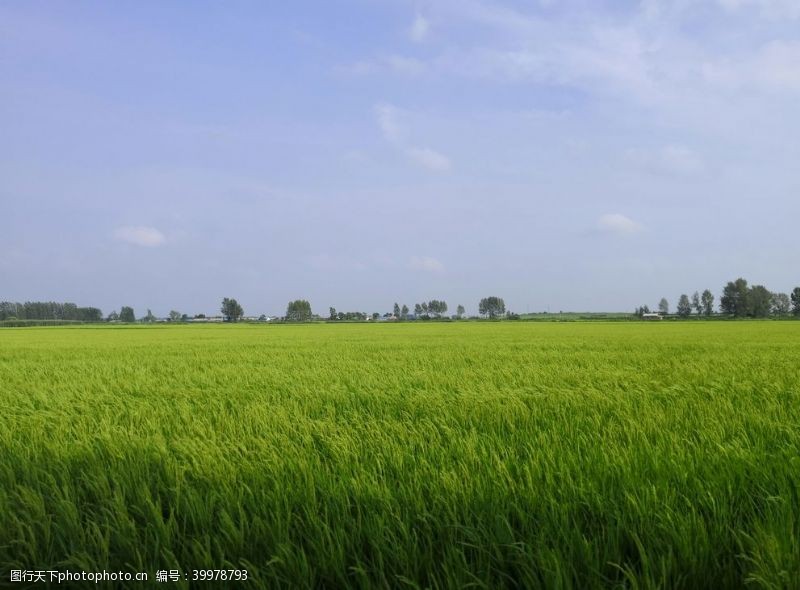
{"points": [[796, 301], [684, 306], [231, 310], [760, 301], [66, 311], [663, 306], [493, 307], [735, 299], [149, 318], [396, 311], [404, 312], [417, 310], [126, 315], [460, 311], [781, 304], [174, 316], [298, 310], [90, 314], [707, 301], [696, 304], [113, 317], [8, 310], [436, 307], [332, 313]]}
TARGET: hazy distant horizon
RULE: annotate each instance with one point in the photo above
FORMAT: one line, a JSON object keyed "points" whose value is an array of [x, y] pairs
{"points": [[563, 155]]}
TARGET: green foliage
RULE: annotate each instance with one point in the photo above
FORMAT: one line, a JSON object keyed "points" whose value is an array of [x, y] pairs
{"points": [[231, 310], [707, 300], [298, 311], [735, 299], [351, 316], [48, 310], [796, 301], [684, 306], [740, 301], [420, 455], [493, 307], [126, 315], [781, 305], [435, 308], [760, 301], [696, 303]]}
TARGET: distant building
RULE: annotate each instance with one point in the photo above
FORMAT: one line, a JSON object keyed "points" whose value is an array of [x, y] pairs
{"points": [[652, 316]]}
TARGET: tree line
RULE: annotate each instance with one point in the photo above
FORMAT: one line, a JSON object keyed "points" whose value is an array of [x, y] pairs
{"points": [[738, 300], [48, 310], [299, 310]]}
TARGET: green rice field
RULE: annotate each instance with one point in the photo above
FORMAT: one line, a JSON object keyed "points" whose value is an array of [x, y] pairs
{"points": [[435, 455]]}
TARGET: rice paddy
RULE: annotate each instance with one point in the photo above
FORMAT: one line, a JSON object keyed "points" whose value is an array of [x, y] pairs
{"points": [[480, 455]]}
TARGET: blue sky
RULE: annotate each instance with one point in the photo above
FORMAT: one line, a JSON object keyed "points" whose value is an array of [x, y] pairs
{"points": [[563, 155]]}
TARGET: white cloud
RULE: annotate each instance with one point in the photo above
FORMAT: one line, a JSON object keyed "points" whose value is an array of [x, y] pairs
{"points": [[387, 116], [430, 159], [396, 64], [149, 237], [680, 160], [773, 67], [671, 160], [774, 9], [425, 263], [408, 66], [419, 29], [642, 57], [616, 223]]}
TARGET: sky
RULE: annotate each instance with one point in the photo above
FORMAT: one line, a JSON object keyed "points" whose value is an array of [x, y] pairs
{"points": [[587, 155]]}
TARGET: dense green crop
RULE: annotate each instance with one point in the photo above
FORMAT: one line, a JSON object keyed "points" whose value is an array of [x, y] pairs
{"points": [[485, 455]]}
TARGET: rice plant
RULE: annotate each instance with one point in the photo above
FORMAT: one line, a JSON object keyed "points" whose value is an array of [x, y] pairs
{"points": [[480, 455]]}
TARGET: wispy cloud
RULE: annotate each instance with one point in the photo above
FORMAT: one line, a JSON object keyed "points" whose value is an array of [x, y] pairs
{"points": [[394, 63], [148, 237], [641, 56], [616, 223], [430, 159], [671, 160], [419, 29], [767, 8], [773, 67], [388, 118], [425, 264]]}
